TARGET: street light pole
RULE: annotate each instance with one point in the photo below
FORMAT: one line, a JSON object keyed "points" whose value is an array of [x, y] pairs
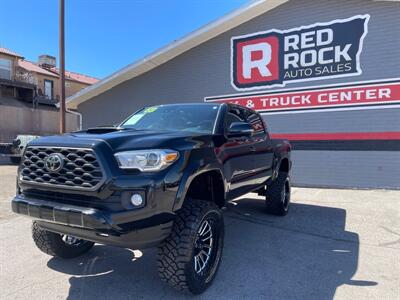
{"points": [[62, 66]]}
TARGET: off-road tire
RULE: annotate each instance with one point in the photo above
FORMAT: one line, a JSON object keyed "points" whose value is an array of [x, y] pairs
{"points": [[278, 195], [52, 243], [176, 262]]}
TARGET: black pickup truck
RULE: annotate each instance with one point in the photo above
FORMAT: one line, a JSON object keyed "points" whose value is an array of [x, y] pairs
{"points": [[160, 178]]}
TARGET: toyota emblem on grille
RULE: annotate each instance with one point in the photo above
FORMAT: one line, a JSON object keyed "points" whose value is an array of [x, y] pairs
{"points": [[54, 162]]}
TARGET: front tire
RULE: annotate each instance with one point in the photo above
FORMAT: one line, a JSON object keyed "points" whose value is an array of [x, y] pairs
{"points": [[58, 245], [189, 258], [278, 195]]}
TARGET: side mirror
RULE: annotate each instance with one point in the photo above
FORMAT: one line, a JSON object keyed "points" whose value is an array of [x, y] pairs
{"points": [[240, 129]]}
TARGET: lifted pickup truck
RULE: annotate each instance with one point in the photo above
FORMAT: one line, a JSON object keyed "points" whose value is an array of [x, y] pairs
{"points": [[160, 178]]}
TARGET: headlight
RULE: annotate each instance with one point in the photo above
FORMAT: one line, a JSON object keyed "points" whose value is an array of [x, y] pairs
{"points": [[146, 160]]}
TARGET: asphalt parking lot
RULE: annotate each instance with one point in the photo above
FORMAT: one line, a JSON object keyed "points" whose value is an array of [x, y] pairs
{"points": [[341, 244]]}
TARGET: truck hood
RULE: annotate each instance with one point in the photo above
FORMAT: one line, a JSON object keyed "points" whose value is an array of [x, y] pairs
{"points": [[121, 139]]}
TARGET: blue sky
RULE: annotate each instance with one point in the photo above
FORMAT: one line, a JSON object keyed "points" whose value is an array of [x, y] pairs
{"points": [[103, 36]]}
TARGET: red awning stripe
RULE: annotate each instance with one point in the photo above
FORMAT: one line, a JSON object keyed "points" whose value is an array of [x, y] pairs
{"points": [[338, 136]]}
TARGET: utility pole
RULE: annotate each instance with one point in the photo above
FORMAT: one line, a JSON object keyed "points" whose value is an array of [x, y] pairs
{"points": [[62, 65]]}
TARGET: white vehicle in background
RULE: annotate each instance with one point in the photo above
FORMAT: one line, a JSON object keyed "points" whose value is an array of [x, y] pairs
{"points": [[15, 149]]}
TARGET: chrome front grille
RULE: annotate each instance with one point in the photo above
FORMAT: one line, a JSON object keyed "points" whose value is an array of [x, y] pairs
{"points": [[80, 168]]}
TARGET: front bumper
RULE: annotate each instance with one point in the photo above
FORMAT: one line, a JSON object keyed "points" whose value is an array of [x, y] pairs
{"points": [[124, 228]]}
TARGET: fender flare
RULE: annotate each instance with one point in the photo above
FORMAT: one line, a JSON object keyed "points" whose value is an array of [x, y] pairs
{"points": [[188, 178]]}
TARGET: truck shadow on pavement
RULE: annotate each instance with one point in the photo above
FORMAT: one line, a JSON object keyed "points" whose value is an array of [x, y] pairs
{"points": [[305, 255]]}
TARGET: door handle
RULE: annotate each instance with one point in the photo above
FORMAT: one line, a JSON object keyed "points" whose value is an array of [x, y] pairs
{"points": [[252, 149]]}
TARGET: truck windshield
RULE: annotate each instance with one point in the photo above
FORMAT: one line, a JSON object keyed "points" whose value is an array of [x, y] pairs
{"points": [[178, 117]]}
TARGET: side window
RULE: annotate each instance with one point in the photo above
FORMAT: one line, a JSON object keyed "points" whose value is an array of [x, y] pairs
{"points": [[5, 68], [257, 123], [231, 118], [233, 115]]}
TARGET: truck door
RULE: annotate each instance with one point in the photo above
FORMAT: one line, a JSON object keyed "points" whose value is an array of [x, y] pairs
{"points": [[263, 155], [236, 155]]}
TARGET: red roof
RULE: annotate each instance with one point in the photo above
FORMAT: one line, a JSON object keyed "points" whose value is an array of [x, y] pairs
{"points": [[76, 76], [9, 52], [34, 67]]}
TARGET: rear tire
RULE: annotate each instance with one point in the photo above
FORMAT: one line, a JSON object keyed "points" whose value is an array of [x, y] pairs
{"points": [[55, 244], [189, 258], [278, 195]]}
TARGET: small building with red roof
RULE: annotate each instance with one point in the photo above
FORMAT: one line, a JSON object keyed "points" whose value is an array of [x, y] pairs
{"points": [[36, 81], [29, 92]]}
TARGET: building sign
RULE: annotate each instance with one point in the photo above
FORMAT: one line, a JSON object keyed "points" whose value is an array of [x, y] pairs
{"points": [[319, 51], [357, 95]]}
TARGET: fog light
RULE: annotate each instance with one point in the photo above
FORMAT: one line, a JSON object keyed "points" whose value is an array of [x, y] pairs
{"points": [[136, 200]]}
